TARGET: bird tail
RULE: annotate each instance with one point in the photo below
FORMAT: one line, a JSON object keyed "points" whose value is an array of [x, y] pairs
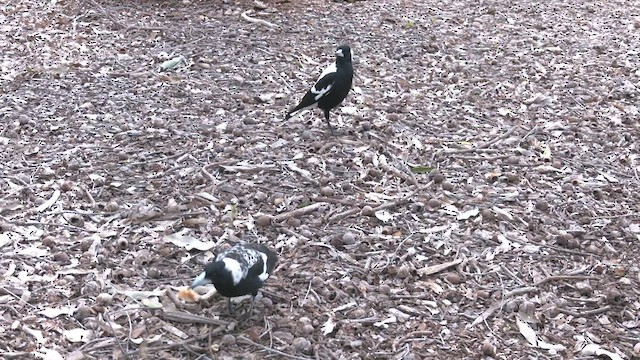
{"points": [[290, 113]]}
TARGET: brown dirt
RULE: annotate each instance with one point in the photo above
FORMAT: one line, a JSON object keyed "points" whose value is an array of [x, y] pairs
{"points": [[528, 223]]}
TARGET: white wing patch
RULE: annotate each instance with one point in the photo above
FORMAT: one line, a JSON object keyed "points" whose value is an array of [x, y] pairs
{"points": [[264, 275], [321, 92], [235, 269], [328, 70]]}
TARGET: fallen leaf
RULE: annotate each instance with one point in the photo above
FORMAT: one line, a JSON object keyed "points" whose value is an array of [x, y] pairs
{"points": [[149, 340], [182, 239], [421, 169], [170, 64], [546, 152], [468, 214], [48, 354], [345, 306], [503, 212], [33, 251], [383, 215], [527, 331], [6, 238], [595, 349], [139, 295], [78, 335], [328, 326], [37, 334], [52, 200], [153, 303], [530, 335], [433, 269], [55, 312]]}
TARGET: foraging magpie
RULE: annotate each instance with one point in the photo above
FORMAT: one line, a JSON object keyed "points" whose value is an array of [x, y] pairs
{"points": [[238, 271], [331, 88]]}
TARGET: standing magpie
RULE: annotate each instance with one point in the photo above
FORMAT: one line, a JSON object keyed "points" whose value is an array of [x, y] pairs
{"points": [[238, 271], [331, 88]]}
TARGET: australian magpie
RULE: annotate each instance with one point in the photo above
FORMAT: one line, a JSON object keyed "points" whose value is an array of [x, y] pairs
{"points": [[238, 271], [331, 88]]}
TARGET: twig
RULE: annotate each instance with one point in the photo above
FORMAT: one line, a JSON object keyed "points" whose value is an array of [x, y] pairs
{"points": [[89, 196], [100, 343], [18, 297], [343, 215], [158, 159], [386, 205], [183, 317], [174, 299], [212, 333], [404, 176], [283, 79], [200, 356], [520, 291], [403, 339], [245, 16], [433, 269], [108, 15], [569, 251], [532, 131], [366, 321], [208, 174], [271, 350], [403, 200], [113, 331], [481, 146], [585, 313], [299, 212], [168, 346], [292, 233], [339, 201], [563, 277], [27, 223], [512, 275], [481, 158]]}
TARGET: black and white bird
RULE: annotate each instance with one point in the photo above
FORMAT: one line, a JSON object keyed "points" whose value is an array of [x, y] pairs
{"points": [[238, 271], [331, 88]]}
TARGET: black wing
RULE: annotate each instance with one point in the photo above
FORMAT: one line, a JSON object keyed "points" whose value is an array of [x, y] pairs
{"points": [[272, 258], [320, 89]]}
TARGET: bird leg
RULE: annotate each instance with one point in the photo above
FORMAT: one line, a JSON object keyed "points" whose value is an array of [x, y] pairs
{"points": [[250, 311], [231, 309], [326, 117], [247, 315]]}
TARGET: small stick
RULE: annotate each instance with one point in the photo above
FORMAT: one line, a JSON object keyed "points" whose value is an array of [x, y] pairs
{"points": [[386, 205], [585, 313], [563, 277], [271, 350], [481, 146], [88, 195], [183, 317], [520, 291], [283, 80], [299, 212], [343, 215], [245, 16], [174, 299], [410, 335]]}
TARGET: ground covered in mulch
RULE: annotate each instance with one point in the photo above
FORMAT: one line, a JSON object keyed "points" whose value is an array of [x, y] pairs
{"points": [[480, 200]]}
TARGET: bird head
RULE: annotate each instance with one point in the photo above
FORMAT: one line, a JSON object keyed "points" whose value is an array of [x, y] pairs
{"points": [[224, 271], [343, 52], [211, 272]]}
